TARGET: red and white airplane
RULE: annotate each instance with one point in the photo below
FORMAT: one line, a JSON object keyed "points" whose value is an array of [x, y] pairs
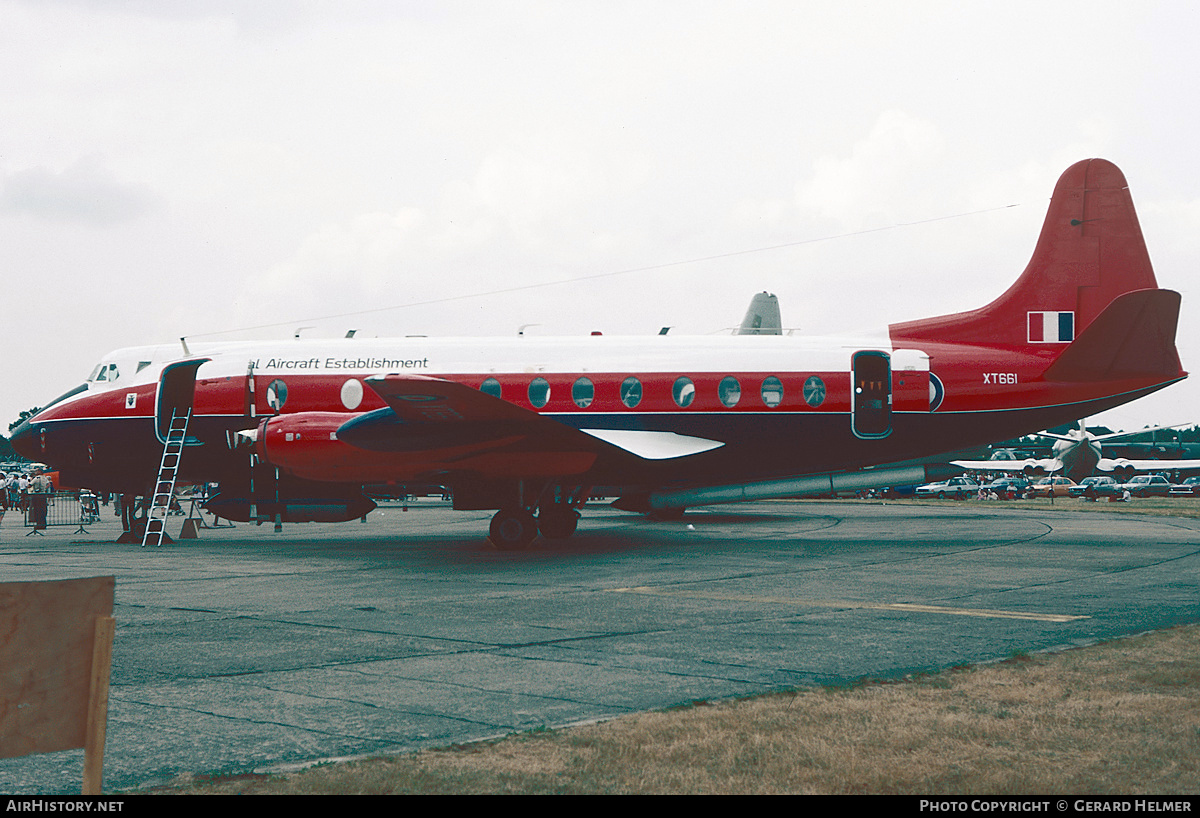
{"points": [[532, 426]]}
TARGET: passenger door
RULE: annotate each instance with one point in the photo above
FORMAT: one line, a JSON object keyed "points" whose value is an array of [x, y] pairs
{"points": [[871, 395]]}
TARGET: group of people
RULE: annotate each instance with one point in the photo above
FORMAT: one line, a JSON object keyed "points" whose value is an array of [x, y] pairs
{"points": [[16, 487], [21, 490]]}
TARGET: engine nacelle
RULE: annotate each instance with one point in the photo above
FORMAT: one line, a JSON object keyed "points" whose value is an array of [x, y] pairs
{"points": [[1032, 469], [1123, 470], [305, 444]]}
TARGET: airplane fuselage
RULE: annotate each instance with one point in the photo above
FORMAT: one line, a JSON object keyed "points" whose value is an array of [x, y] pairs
{"points": [[776, 405]]}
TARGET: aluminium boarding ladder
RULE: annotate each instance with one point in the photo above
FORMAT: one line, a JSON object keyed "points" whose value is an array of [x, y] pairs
{"points": [[168, 469]]}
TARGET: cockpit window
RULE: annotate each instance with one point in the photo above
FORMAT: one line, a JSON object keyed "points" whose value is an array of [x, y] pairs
{"points": [[104, 373]]}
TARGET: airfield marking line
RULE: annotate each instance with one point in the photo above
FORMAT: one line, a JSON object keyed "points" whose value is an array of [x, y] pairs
{"points": [[846, 603]]}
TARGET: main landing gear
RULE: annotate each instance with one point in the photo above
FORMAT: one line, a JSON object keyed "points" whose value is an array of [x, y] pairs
{"points": [[517, 528]]}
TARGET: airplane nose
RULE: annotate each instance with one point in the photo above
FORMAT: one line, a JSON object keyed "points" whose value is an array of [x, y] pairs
{"points": [[24, 442]]}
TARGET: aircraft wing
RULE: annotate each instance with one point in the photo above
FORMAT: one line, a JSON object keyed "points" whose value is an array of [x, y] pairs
{"points": [[433, 412], [422, 399], [1125, 466], [1106, 465], [1047, 465]]}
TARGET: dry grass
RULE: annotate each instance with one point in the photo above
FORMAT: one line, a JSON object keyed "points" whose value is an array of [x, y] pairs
{"points": [[1122, 717]]}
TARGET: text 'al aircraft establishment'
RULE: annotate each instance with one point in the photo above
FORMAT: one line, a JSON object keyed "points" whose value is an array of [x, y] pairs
{"points": [[291, 431]]}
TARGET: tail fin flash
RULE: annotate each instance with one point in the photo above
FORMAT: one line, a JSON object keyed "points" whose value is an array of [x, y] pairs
{"points": [[1090, 252]]}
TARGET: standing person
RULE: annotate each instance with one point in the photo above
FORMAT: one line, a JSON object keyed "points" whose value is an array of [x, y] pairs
{"points": [[40, 489], [127, 504], [22, 491]]}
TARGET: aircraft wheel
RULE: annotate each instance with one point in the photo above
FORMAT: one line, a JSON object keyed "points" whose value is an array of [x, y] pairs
{"points": [[512, 529], [557, 523]]}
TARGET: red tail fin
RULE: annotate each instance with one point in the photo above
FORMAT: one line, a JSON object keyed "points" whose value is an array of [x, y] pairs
{"points": [[1090, 252]]}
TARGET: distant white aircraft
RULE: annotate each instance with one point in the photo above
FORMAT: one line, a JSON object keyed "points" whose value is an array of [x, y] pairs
{"points": [[1079, 454]]}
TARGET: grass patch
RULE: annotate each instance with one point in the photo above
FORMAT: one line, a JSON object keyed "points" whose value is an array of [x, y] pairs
{"points": [[1117, 718]]}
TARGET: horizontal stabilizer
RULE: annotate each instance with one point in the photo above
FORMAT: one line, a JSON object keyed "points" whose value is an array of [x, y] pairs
{"points": [[1133, 337]]}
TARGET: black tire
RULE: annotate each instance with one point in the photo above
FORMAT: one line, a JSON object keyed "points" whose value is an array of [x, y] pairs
{"points": [[512, 530], [557, 523]]}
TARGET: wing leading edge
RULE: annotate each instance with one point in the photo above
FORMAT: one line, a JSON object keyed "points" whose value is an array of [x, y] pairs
{"points": [[425, 412]]}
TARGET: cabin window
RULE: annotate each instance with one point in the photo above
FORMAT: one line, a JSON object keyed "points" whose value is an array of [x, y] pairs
{"points": [[490, 387], [684, 392], [276, 394], [352, 394], [104, 373], [631, 392], [583, 391], [814, 391], [539, 392], [772, 391], [729, 391]]}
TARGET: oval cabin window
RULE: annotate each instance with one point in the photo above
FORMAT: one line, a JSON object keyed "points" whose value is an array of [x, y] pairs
{"points": [[583, 391], [772, 391], [814, 391], [539, 392], [729, 391], [684, 392], [631, 392]]}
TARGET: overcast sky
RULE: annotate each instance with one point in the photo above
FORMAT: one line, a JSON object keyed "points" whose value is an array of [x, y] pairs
{"points": [[184, 168]]}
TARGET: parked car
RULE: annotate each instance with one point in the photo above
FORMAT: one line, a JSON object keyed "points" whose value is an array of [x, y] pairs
{"points": [[1147, 485], [1093, 487], [1052, 487], [1008, 487], [958, 487], [1188, 488]]}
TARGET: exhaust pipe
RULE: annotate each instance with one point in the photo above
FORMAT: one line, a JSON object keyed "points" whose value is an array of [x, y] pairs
{"points": [[789, 487]]}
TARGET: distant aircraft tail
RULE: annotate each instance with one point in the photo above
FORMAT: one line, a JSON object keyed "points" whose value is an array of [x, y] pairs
{"points": [[762, 317], [1088, 293]]}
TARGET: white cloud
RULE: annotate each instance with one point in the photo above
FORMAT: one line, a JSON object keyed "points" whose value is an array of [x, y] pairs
{"points": [[886, 167], [539, 208], [85, 193]]}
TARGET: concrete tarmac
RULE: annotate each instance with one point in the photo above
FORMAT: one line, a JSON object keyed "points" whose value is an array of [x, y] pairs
{"points": [[248, 649]]}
